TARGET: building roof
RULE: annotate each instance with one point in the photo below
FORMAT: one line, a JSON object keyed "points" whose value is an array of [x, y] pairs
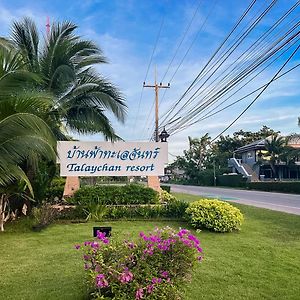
{"points": [[257, 145], [293, 141]]}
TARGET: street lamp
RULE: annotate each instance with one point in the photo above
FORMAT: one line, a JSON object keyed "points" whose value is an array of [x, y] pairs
{"points": [[163, 136]]}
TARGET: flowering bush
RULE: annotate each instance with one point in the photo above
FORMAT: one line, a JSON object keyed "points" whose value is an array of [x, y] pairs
{"points": [[152, 267], [166, 197], [215, 215]]}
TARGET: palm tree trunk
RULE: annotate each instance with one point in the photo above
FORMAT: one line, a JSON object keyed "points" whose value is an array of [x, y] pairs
{"points": [[3, 203], [273, 169]]}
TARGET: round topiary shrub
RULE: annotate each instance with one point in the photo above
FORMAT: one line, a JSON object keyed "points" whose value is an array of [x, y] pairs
{"points": [[215, 215]]}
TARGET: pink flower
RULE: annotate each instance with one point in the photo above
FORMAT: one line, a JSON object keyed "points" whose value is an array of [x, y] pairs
{"points": [[126, 276], [183, 232], [139, 294], [86, 257], [130, 245], [164, 274], [101, 281], [199, 258], [95, 245], [150, 288], [77, 247], [199, 249], [194, 239], [156, 280], [100, 235]]}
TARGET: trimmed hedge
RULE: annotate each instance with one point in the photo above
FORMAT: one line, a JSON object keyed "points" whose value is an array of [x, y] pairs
{"points": [[115, 195], [97, 211], [166, 188], [174, 210], [284, 187], [231, 180], [215, 215]]}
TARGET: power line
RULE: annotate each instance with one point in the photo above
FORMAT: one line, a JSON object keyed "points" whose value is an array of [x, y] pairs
{"points": [[211, 58], [175, 53], [182, 39], [246, 56], [254, 100], [239, 77], [189, 48], [237, 101], [226, 55]]}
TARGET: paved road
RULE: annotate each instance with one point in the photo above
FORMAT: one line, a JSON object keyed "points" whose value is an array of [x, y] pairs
{"points": [[276, 201]]}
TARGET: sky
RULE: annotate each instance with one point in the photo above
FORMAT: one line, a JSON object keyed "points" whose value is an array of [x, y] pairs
{"points": [[127, 32]]}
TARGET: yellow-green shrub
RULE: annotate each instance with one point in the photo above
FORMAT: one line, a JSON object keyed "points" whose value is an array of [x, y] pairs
{"points": [[166, 197], [215, 215]]}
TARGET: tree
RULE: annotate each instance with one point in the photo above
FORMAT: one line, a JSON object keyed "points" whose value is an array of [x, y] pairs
{"points": [[198, 150], [21, 130], [65, 63], [275, 147]]}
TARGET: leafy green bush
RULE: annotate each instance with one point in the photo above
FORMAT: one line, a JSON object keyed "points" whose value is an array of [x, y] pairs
{"points": [[215, 215], [175, 209], [166, 188], [152, 266], [115, 195], [137, 211], [56, 189], [165, 197]]}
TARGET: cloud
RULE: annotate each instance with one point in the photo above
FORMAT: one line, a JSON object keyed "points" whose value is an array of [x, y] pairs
{"points": [[10, 14]]}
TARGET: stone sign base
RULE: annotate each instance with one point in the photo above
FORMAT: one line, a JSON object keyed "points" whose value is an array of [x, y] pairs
{"points": [[71, 186], [153, 182]]}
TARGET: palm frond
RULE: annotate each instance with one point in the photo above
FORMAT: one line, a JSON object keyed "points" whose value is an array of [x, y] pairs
{"points": [[22, 131], [89, 120], [25, 36], [10, 172]]}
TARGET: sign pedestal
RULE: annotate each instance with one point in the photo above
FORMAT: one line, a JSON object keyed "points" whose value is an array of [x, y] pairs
{"points": [[71, 186], [153, 182]]}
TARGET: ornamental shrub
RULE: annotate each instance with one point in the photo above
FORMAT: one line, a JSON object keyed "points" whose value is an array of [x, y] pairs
{"points": [[166, 197], [215, 215], [115, 195], [56, 189], [153, 266]]}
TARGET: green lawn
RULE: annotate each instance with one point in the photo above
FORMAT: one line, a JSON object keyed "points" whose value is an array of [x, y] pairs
{"points": [[260, 262]]}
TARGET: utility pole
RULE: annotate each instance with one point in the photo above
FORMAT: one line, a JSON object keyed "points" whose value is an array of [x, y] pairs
{"points": [[156, 89], [153, 181]]}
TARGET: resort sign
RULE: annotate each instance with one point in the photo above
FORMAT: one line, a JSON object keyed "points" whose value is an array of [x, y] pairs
{"points": [[112, 159]]}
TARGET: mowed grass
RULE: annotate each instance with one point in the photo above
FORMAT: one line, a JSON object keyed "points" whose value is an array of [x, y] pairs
{"points": [[262, 261]]}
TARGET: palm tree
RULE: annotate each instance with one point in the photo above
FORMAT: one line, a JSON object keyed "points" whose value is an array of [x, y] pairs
{"points": [[275, 146], [21, 129], [65, 63]]}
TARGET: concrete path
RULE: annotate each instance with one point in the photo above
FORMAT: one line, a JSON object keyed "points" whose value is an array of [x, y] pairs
{"points": [[276, 201]]}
